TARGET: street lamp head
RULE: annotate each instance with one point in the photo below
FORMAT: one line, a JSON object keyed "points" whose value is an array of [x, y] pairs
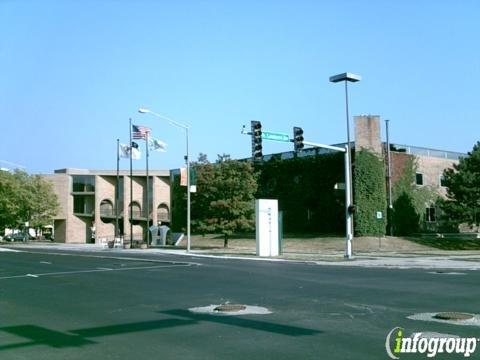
{"points": [[143, 111], [345, 77]]}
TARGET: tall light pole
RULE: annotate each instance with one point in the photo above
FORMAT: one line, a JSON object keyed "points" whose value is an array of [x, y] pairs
{"points": [[187, 159], [389, 178], [348, 77]]}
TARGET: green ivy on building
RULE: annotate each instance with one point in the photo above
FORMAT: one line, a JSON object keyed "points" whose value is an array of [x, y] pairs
{"points": [[370, 195]]}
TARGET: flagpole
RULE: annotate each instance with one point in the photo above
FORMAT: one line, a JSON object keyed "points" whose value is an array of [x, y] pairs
{"points": [[117, 190], [131, 188], [148, 191]]}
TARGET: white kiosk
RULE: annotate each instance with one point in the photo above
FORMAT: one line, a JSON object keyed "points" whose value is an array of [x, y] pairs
{"points": [[267, 227]]}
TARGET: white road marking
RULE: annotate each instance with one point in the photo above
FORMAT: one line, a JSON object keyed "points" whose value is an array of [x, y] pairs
{"points": [[112, 257], [93, 271], [8, 250], [46, 262]]}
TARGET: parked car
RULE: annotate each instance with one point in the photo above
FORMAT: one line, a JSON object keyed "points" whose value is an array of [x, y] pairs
{"points": [[15, 237]]}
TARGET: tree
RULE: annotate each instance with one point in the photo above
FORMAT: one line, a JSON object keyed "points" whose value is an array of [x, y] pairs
{"points": [[410, 201], [406, 218], [9, 200], [26, 198], [45, 204], [224, 201], [463, 189]]}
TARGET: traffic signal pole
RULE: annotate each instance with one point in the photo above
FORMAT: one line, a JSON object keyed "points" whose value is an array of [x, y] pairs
{"points": [[299, 143], [349, 208]]}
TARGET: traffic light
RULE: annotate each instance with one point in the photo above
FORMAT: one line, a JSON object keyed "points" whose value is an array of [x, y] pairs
{"points": [[256, 129], [298, 138]]}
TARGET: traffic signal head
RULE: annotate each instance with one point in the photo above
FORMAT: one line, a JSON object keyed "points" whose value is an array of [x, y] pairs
{"points": [[298, 138], [256, 130]]}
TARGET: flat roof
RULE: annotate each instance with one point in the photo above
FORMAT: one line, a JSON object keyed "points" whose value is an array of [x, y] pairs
{"points": [[407, 149], [73, 171]]}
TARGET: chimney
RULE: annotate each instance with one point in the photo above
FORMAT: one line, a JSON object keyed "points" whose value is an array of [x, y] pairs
{"points": [[367, 133]]}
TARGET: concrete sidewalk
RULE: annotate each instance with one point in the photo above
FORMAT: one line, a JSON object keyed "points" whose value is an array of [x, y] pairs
{"points": [[433, 259]]}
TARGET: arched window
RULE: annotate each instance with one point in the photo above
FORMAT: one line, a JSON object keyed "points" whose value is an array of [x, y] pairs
{"points": [[163, 213], [106, 208], [136, 209]]}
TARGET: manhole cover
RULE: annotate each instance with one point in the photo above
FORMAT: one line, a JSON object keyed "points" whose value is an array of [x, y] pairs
{"points": [[456, 316], [230, 310], [230, 307]]}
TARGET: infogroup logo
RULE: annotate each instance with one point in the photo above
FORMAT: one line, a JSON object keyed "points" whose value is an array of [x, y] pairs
{"points": [[396, 344]]}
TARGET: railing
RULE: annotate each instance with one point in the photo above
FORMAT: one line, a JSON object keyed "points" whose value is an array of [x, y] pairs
{"points": [[163, 218], [421, 151], [136, 214], [83, 213]]}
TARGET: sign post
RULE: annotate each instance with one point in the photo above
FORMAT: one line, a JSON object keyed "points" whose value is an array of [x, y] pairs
{"points": [[267, 227]]}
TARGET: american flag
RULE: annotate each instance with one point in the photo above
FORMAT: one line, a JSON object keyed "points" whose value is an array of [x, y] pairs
{"points": [[139, 131]]}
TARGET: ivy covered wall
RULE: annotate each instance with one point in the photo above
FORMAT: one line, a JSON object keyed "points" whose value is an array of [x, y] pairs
{"points": [[306, 191], [370, 196]]}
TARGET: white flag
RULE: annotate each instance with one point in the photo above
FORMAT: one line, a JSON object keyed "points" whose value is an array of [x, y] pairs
{"points": [[125, 152], [157, 145], [136, 154]]}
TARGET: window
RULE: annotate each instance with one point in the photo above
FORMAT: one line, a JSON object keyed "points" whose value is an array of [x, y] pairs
{"points": [[83, 205], [136, 209], [78, 204], [83, 183], [106, 208], [430, 215], [419, 178], [442, 181], [163, 214]]}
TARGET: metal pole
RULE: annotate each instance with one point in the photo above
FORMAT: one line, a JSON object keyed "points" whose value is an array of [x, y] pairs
{"points": [[187, 160], [188, 192], [389, 179], [348, 150], [148, 191], [131, 188], [348, 216], [117, 189], [348, 115]]}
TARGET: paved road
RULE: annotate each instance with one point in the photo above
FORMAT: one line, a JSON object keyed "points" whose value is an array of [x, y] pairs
{"points": [[72, 305]]}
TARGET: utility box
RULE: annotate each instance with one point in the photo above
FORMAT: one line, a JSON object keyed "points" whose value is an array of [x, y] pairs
{"points": [[267, 227]]}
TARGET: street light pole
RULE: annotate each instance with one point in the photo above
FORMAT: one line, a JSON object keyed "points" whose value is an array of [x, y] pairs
{"points": [[348, 77], [389, 178], [187, 160]]}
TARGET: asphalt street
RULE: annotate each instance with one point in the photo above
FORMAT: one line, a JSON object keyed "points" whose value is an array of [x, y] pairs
{"points": [[77, 305]]}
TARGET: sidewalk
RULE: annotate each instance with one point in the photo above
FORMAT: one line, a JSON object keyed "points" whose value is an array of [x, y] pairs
{"points": [[368, 252]]}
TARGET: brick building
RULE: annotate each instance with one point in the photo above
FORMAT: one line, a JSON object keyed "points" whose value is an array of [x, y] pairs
{"points": [[87, 203], [87, 197], [430, 166], [430, 163]]}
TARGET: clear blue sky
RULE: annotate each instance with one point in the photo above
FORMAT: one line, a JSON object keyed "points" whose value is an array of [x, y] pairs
{"points": [[73, 72]]}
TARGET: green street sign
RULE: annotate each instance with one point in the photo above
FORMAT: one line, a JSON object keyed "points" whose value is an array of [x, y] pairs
{"points": [[275, 136]]}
